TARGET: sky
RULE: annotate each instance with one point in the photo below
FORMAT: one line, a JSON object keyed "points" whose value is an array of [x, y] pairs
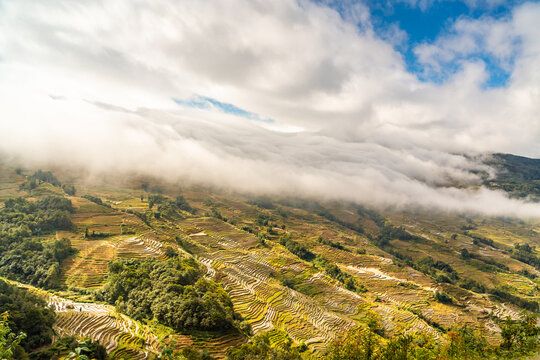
{"points": [[424, 21], [384, 103]]}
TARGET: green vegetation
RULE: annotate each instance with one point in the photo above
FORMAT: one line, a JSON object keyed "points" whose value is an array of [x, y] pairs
{"points": [[21, 218], [182, 204], [437, 269], [25, 258], [503, 294], [389, 232], [526, 254], [262, 202], [377, 218], [46, 176], [335, 272], [321, 211], [156, 199], [472, 285], [527, 274], [175, 306], [520, 339], [151, 188], [172, 291], [296, 248], [216, 214], [69, 189], [262, 219], [483, 263], [260, 348], [331, 243], [31, 262], [39, 177], [442, 271], [477, 239], [72, 348], [517, 175], [329, 268], [25, 314], [443, 297], [187, 353], [96, 200], [9, 341]]}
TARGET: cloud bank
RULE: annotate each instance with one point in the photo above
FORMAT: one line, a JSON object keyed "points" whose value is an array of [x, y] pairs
{"points": [[162, 88]]}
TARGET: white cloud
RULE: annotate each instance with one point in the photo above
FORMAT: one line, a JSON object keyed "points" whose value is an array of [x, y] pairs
{"points": [[497, 39], [424, 5], [363, 128]]}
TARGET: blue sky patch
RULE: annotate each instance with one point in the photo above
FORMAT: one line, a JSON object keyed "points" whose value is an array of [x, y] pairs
{"points": [[424, 22], [207, 103]]}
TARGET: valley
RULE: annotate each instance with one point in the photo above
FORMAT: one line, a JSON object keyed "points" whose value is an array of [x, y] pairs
{"points": [[301, 271]]}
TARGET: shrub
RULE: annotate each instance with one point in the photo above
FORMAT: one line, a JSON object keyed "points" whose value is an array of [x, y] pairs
{"points": [[443, 297]]}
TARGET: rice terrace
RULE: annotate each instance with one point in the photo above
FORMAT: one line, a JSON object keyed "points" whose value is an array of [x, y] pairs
{"points": [[269, 180], [301, 273]]}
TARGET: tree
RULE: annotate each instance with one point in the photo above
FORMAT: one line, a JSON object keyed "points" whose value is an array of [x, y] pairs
{"points": [[182, 204], [360, 344], [260, 348], [521, 335], [466, 344], [398, 349], [155, 199], [262, 239], [87, 349], [9, 342], [443, 297], [69, 189], [170, 252]]}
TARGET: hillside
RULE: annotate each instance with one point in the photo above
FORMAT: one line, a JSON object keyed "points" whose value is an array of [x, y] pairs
{"points": [[517, 175], [302, 272]]}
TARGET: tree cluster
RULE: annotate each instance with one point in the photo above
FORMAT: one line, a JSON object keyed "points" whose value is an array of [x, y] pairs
{"points": [[520, 339], [95, 200], [39, 177], [526, 254], [260, 348], [28, 314], [72, 348], [331, 243], [296, 248], [173, 291], [22, 256]]}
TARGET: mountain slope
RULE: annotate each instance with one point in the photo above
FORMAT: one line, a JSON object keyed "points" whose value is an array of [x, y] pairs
{"points": [[304, 271]]}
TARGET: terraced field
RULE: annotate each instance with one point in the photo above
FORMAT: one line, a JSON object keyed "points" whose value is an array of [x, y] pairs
{"points": [[274, 289], [401, 296], [118, 333], [318, 308], [105, 242], [138, 247], [249, 274], [123, 337]]}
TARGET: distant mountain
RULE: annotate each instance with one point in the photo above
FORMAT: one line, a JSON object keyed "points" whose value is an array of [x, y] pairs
{"points": [[518, 175]]}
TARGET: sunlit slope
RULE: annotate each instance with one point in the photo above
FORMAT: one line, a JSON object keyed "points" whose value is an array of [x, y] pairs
{"points": [[275, 289], [300, 269]]}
